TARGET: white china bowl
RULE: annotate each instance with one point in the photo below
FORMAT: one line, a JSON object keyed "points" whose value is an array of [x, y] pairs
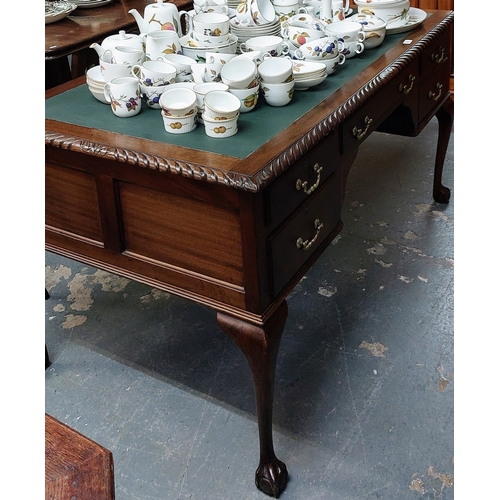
{"points": [[221, 104], [152, 94], [374, 27], [238, 73], [248, 98], [219, 129], [276, 70], [394, 12], [179, 124], [278, 94], [178, 102]]}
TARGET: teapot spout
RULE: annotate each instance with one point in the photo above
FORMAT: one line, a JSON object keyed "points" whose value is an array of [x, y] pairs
{"points": [[100, 51], [141, 22]]}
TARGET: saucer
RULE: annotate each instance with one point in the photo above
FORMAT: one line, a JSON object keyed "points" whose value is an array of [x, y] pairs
{"points": [[414, 19], [306, 83]]}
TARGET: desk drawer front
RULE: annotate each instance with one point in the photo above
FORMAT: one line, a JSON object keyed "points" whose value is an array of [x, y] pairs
{"points": [[303, 180], [437, 54], [433, 90], [295, 243]]}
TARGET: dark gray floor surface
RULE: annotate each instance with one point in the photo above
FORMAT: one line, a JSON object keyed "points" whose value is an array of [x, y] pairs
{"points": [[364, 394]]}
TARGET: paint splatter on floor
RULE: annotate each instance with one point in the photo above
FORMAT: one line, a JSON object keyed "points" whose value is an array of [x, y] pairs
{"points": [[434, 482], [377, 349]]}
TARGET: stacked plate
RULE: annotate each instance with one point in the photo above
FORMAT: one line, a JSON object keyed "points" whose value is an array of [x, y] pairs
{"points": [[244, 31], [90, 4], [308, 74], [95, 82], [55, 11]]}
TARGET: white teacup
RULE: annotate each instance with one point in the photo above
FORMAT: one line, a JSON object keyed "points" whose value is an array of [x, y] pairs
{"points": [[182, 65], [299, 33], [239, 73], [219, 6], [212, 72], [348, 31], [276, 70], [124, 95], [220, 57], [127, 55], [256, 55], [351, 49], [155, 72], [273, 44], [278, 94], [248, 97], [262, 11], [284, 12], [333, 63], [211, 23], [111, 71]]}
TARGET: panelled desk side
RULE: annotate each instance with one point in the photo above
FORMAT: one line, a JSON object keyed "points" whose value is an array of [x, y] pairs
{"points": [[238, 234]]}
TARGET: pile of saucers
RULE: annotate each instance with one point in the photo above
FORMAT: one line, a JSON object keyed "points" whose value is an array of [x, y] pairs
{"points": [[95, 82], [308, 74]]}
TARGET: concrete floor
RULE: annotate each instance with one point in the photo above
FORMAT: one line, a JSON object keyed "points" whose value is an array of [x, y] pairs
{"points": [[364, 402]]}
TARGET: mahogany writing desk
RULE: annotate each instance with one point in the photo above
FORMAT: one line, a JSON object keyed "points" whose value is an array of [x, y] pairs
{"points": [[235, 223]]}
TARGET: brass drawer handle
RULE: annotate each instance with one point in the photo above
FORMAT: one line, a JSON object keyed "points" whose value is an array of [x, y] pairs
{"points": [[434, 96], [306, 245], [303, 184], [404, 88], [438, 58], [359, 133]]}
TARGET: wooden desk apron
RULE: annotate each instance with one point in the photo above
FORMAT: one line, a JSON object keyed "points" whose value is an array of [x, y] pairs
{"points": [[235, 223]]}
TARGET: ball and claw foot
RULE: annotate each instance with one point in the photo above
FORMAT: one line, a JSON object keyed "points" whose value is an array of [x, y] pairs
{"points": [[442, 194], [271, 478]]}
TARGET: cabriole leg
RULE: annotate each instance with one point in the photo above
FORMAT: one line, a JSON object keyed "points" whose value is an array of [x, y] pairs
{"points": [[444, 115], [260, 345]]}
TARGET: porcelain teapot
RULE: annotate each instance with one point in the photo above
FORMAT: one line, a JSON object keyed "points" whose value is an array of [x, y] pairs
{"points": [[160, 16], [122, 39]]}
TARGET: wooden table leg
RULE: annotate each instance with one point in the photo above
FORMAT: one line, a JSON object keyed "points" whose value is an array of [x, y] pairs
{"points": [[260, 344], [444, 115]]}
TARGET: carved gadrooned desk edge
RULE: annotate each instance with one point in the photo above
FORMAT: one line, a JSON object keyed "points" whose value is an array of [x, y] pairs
{"points": [[282, 162]]}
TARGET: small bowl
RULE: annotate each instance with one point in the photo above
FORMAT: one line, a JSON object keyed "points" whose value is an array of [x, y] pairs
{"points": [[220, 128], [221, 104], [179, 124], [178, 101], [374, 27]]}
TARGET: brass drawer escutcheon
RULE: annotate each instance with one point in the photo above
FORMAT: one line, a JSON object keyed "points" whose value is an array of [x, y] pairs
{"points": [[434, 96], [306, 245], [404, 88], [299, 184], [359, 133]]}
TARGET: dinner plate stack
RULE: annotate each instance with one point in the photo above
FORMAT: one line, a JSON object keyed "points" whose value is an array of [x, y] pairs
{"points": [[55, 11], [308, 74], [244, 32], [95, 82]]}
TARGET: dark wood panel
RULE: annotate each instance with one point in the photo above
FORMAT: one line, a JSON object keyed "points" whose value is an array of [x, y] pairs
{"points": [[184, 232], [71, 202]]}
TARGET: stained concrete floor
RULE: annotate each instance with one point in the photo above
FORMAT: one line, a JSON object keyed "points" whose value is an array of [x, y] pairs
{"points": [[364, 402]]}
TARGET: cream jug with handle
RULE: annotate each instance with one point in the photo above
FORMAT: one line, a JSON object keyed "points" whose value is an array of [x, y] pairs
{"points": [[160, 16]]}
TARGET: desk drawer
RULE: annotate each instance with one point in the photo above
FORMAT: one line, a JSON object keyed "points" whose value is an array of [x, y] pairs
{"points": [[437, 54], [296, 241], [303, 180], [432, 91]]}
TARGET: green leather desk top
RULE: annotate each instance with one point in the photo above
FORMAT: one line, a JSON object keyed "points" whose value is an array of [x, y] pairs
{"points": [[78, 106]]}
